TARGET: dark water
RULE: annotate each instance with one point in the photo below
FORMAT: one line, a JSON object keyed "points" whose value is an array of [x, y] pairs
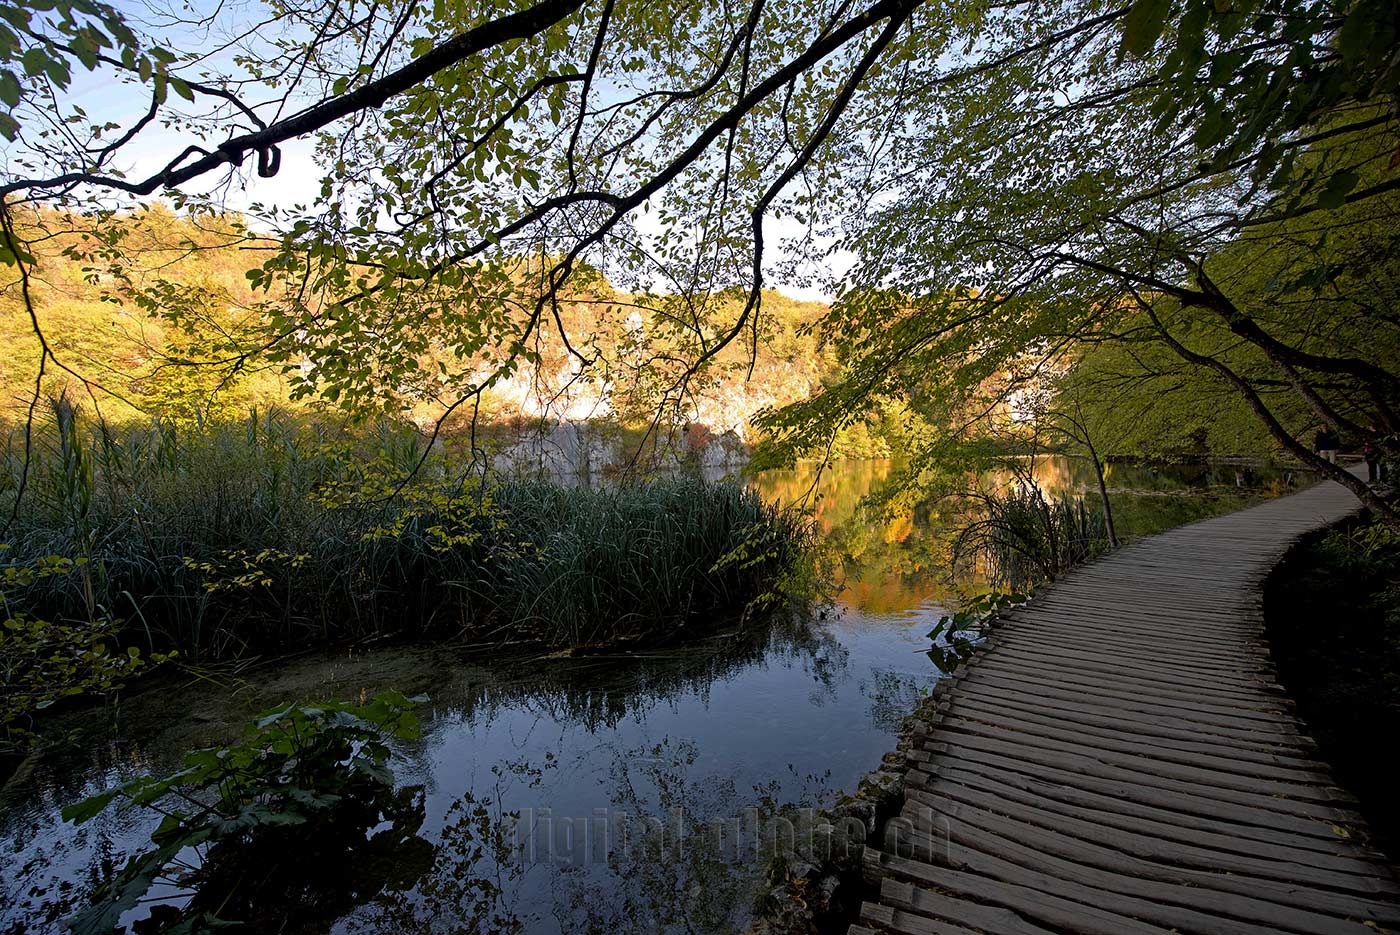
{"points": [[537, 773]]}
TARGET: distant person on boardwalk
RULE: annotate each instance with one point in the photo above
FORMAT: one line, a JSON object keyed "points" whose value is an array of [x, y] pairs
{"points": [[1325, 443], [1371, 451]]}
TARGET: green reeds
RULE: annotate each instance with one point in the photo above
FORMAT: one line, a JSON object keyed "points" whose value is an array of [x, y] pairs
{"points": [[270, 534], [1025, 537]]}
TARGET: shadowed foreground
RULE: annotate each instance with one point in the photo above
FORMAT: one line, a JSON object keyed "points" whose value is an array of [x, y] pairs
{"points": [[1120, 759]]}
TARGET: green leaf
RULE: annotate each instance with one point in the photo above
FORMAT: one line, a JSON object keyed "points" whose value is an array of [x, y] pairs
{"points": [[36, 60], [9, 87], [1212, 126], [132, 883], [268, 718], [1338, 186], [89, 807], [85, 49], [1143, 25], [15, 15], [58, 72], [1359, 35]]}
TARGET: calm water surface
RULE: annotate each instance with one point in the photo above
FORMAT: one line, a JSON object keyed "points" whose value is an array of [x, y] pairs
{"points": [[528, 767]]}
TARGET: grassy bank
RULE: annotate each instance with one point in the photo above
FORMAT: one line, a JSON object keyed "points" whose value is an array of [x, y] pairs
{"points": [[1333, 612], [273, 534]]}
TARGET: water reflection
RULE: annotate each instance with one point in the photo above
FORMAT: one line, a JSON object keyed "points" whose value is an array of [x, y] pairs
{"points": [[894, 552], [739, 727]]}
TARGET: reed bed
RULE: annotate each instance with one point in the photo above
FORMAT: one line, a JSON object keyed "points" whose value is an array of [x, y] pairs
{"points": [[273, 534], [1024, 537]]}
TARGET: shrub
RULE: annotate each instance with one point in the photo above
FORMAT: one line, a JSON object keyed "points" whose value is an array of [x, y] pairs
{"points": [[42, 663]]}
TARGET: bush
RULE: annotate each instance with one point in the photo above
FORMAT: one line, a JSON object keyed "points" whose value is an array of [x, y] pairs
{"points": [[43, 663], [1333, 613], [287, 829]]}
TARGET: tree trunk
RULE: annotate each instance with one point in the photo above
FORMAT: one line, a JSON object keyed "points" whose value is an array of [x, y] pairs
{"points": [[1384, 511], [1103, 493]]}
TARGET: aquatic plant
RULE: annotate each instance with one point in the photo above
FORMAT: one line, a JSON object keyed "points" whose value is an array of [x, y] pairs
{"points": [[42, 663], [1024, 537], [271, 533], [954, 638], [293, 825]]}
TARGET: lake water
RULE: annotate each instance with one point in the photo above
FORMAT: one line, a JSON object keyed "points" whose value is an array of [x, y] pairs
{"points": [[537, 773]]}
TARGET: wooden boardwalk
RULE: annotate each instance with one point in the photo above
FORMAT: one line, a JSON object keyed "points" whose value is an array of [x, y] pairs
{"points": [[1119, 759]]}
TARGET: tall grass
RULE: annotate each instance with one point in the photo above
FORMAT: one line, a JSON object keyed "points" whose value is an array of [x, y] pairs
{"points": [[1025, 537], [270, 534]]}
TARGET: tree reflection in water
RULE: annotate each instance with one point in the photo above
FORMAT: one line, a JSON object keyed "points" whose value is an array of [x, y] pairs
{"points": [[669, 845]]}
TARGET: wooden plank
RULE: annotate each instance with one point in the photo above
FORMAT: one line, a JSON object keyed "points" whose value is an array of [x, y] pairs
{"points": [[1237, 772], [1286, 906], [1049, 909], [1116, 670], [1131, 792], [1171, 614], [1242, 654], [1163, 664], [1148, 725], [942, 906], [1250, 807], [1118, 609], [1155, 690], [1155, 839], [1235, 651], [985, 857], [1263, 722], [891, 919], [1165, 659], [1110, 801], [1119, 759], [1215, 756]]}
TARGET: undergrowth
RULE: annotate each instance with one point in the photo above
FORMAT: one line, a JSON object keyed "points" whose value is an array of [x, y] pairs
{"points": [[1333, 612]]}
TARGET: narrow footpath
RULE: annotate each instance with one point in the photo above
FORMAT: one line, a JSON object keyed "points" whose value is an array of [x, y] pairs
{"points": [[1119, 759]]}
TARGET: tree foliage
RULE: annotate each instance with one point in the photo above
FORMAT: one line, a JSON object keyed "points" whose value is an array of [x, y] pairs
{"points": [[1070, 190], [1017, 181], [468, 183]]}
